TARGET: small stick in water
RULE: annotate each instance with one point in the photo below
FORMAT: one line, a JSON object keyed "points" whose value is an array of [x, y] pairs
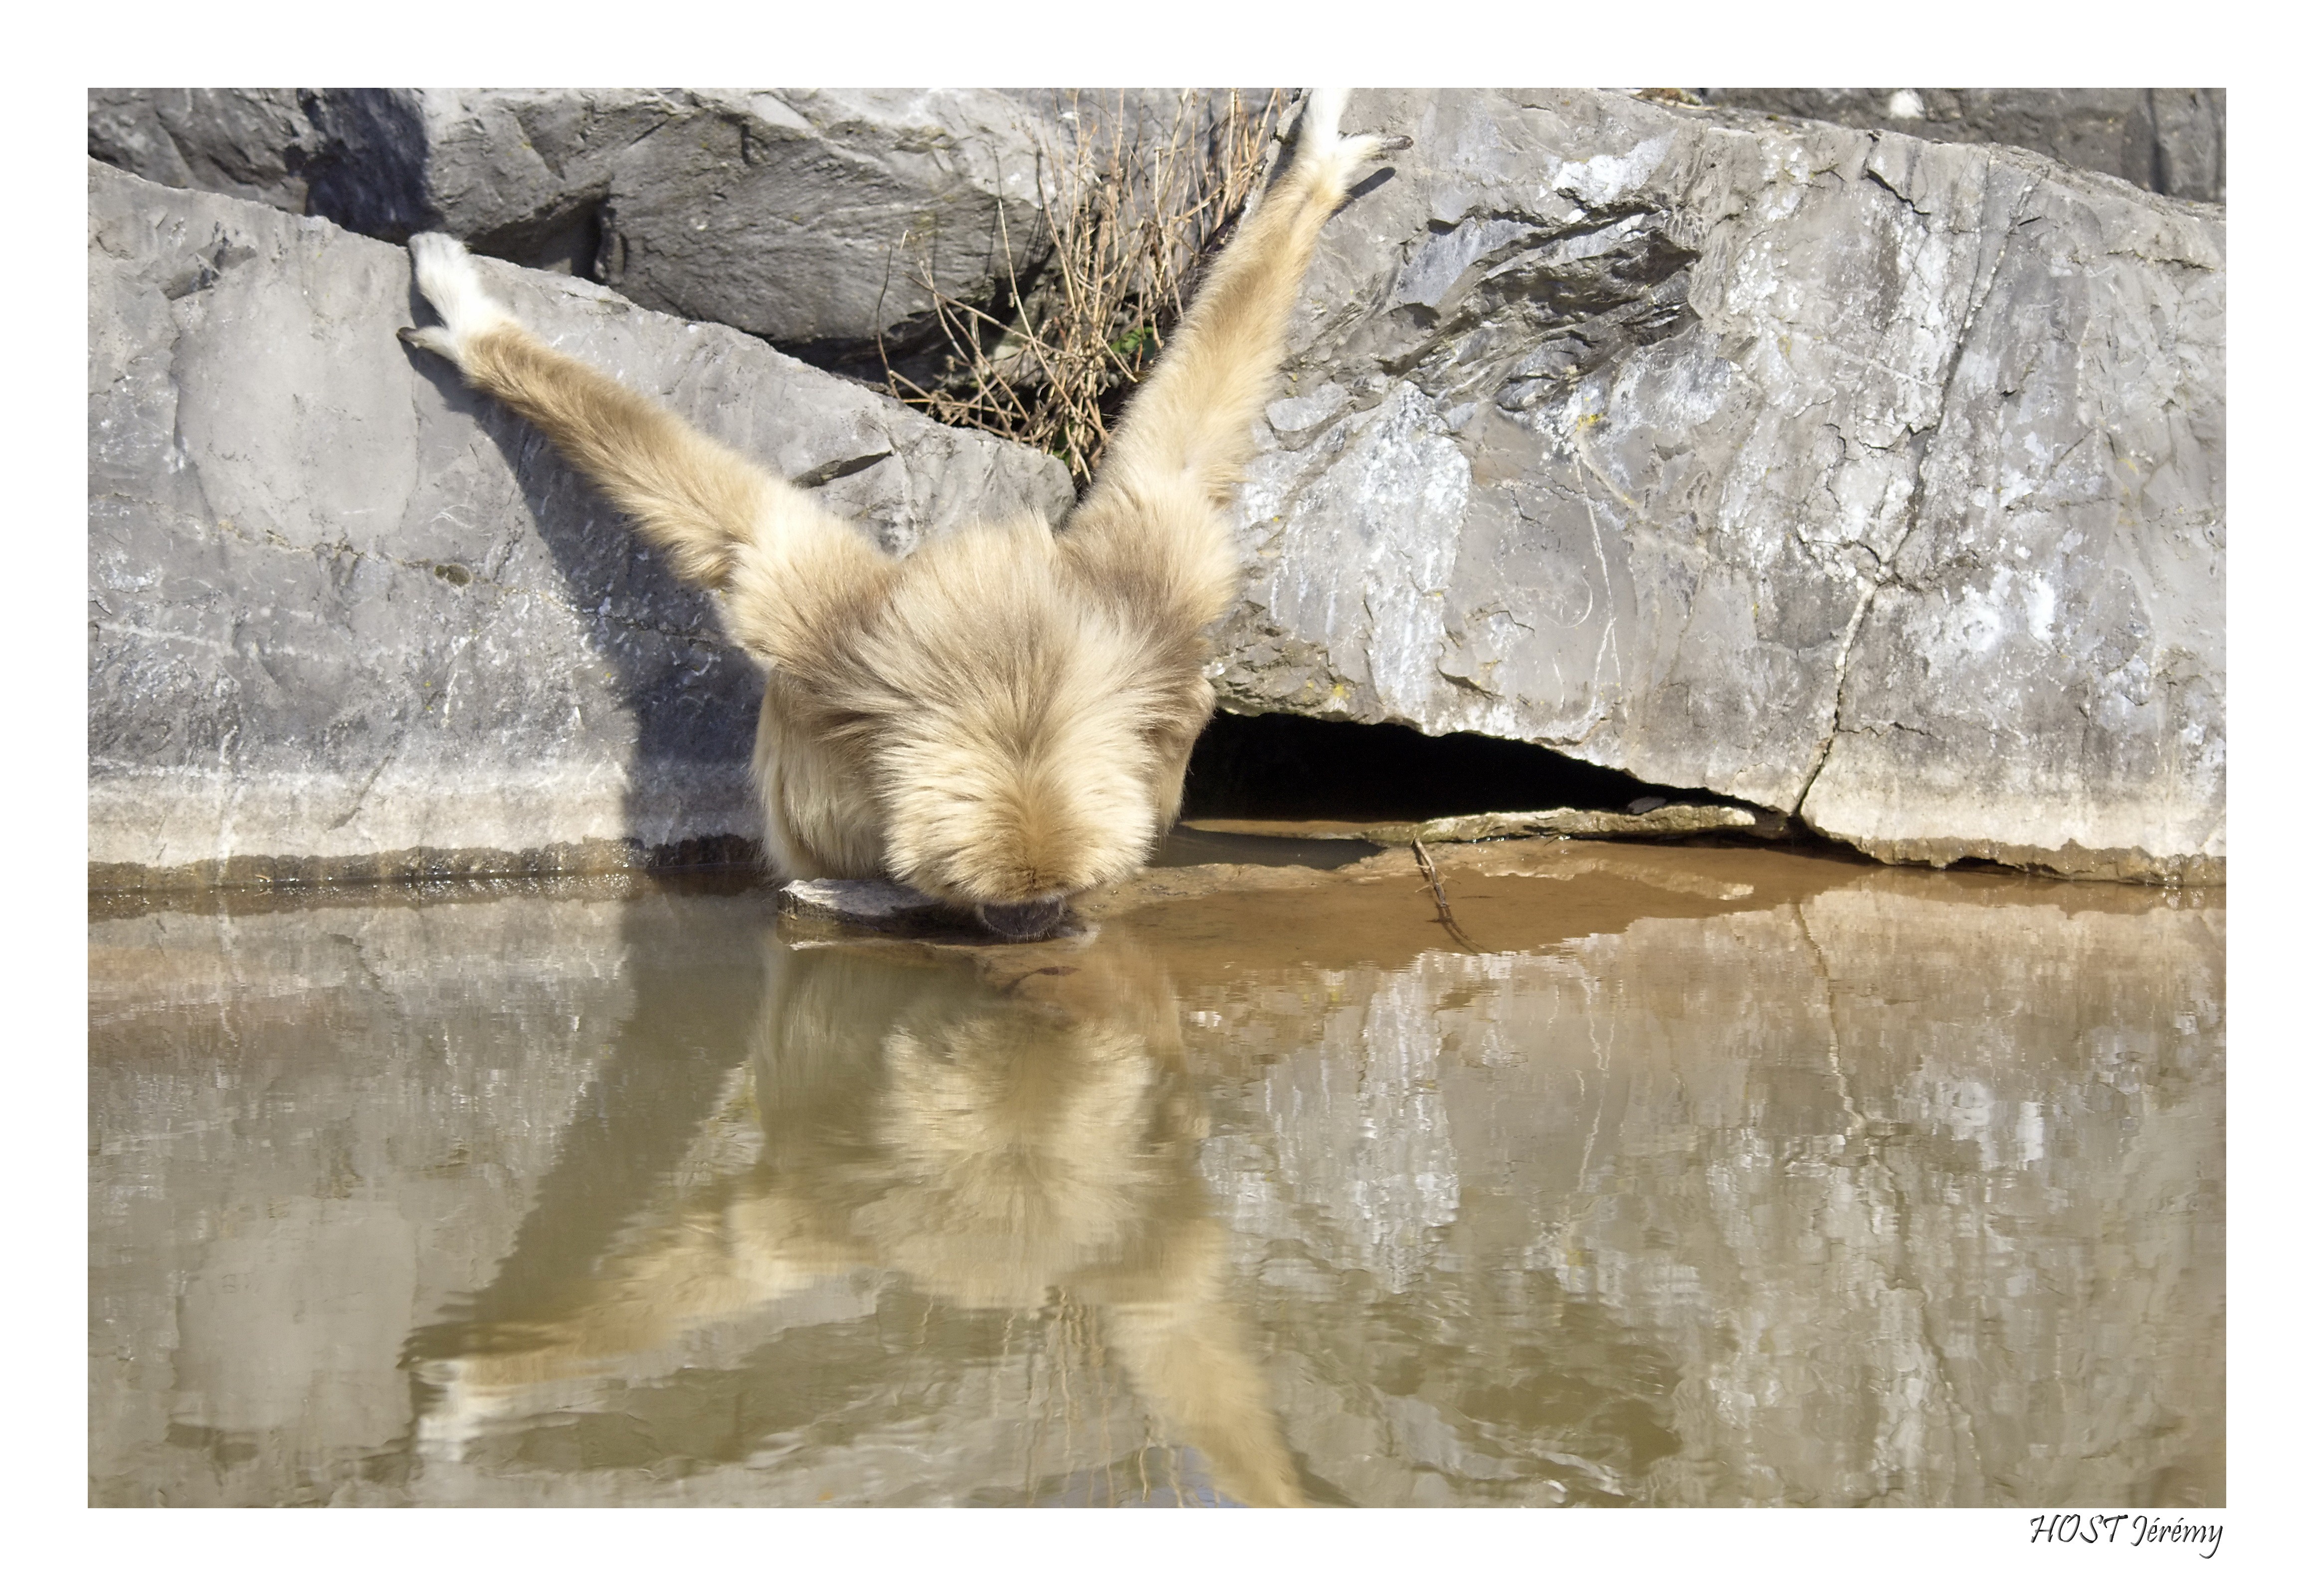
{"points": [[1445, 914]]}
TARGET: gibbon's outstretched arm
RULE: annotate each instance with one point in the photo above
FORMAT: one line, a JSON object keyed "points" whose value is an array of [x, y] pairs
{"points": [[1150, 534], [724, 522], [1193, 417]]}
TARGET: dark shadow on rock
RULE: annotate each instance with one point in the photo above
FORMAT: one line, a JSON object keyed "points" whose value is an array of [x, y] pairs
{"points": [[370, 176], [691, 692]]}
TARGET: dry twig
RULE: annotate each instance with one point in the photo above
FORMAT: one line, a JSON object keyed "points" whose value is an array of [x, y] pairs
{"points": [[1438, 892]]}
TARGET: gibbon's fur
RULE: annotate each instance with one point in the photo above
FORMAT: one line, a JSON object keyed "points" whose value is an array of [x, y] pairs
{"points": [[1002, 719]]}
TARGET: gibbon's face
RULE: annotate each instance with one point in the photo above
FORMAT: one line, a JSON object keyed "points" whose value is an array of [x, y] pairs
{"points": [[1028, 746], [1026, 789]]}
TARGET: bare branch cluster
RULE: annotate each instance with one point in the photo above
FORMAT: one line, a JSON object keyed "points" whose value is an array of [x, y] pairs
{"points": [[1129, 210]]}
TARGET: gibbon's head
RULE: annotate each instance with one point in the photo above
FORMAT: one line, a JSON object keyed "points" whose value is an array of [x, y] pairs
{"points": [[1028, 746]]}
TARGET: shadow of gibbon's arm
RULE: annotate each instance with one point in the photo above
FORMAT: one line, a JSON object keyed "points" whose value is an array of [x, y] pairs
{"points": [[724, 522]]}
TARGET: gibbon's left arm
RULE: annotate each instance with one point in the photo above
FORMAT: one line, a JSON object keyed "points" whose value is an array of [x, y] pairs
{"points": [[1151, 521], [724, 522]]}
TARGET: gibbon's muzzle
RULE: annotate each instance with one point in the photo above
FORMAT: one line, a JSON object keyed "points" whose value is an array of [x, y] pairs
{"points": [[1031, 922]]}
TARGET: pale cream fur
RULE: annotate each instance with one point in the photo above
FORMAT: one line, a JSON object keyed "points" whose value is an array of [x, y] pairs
{"points": [[1002, 719]]}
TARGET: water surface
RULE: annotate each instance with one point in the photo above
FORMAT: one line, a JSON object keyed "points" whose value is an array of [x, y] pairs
{"points": [[1687, 1176]]}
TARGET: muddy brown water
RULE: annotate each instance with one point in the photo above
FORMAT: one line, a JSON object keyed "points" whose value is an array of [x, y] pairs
{"points": [[1685, 1176]]}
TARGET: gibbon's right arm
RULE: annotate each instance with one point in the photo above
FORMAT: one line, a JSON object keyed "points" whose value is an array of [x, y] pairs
{"points": [[725, 523], [1151, 525], [1194, 416]]}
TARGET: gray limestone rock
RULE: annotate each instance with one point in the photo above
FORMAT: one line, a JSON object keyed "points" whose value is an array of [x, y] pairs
{"points": [[870, 905], [887, 908], [1662, 820], [253, 144], [1848, 475], [2170, 141], [812, 217], [342, 609], [821, 219]]}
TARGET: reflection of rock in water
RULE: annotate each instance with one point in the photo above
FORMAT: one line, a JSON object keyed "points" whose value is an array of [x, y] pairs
{"points": [[1905, 1192], [306, 1134], [1362, 1136], [1022, 1144]]}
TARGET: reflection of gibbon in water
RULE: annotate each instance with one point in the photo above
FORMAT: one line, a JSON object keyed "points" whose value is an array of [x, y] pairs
{"points": [[1021, 1141]]}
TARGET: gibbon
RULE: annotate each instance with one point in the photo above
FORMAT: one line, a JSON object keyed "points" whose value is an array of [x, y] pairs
{"points": [[1002, 719]]}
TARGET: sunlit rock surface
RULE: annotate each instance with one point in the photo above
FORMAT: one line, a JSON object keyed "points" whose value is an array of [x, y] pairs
{"points": [[1733, 1180], [341, 608], [1859, 477], [823, 219], [1844, 474], [2170, 141], [835, 213]]}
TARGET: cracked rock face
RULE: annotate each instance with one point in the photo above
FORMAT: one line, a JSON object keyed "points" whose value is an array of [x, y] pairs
{"points": [[821, 219], [341, 608], [2168, 141], [1876, 480], [807, 216]]}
